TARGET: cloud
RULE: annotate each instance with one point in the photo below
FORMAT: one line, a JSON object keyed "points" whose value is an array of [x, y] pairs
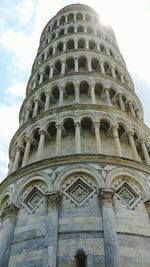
{"points": [[16, 89], [25, 11]]}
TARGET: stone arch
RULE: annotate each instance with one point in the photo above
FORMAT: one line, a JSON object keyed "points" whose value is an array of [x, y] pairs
{"points": [[79, 16], [60, 47], [81, 43], [68, 136], [32, 179], [133, 175], [61, 32], [70, 65], [70, 29], [5, 199], [70, 44], [70, 17], [80, 29], [79, 168]]}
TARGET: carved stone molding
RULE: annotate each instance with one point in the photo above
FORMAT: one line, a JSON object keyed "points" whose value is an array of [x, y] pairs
{"points": [[53, 199], [9, 213], [106, 197]]}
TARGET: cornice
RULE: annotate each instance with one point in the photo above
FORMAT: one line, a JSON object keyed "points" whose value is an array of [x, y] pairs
{"points": [[73, 159]]}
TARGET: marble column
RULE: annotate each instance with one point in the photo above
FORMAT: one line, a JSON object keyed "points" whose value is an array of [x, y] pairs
{"points": [[92, 86], [121, 104], [17, 157], [41, 144], [27, 114], [87, 44], [41, 77], [131, 108], [28, 141], [111, 245], [137, 113], [97, 136], [133, 146], [142, 141], [36, 106], [98, 47], [61, 96], [51, 71], [77, 138], [64, 46], [113, 72], [76, 64], [63, 66], [107, 96], [51, 234], [89, 64], [117, 141], [47, 100], [102, 67], [77, 93], [58, 139], [8, 219]]}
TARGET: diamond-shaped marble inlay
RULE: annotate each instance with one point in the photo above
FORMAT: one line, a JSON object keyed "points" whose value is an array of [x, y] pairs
{"points": [[127, 194], [33, 199], [79, 191]]}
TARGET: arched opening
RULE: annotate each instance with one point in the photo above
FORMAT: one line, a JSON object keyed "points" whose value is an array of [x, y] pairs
{"points": [[102, 48], [62, 20], [81, 259], [68, 137], [50, 141], [42, 57], [50, 52], [88, 141], [95, 65], [111, 53], [62, 32], [70, 17], [80, 29], [53, 36], [70, 66], [98, 94], [46, 74], [81, 43], [90, 30], [34, 145], [54, 97], [107, 140], [41, 103], [60, 47], [91, 45], [70, 94], [71, 29], [70, 44], [117, 74], [85, 96], [57, 69], [79, 16], [55, 24], [88, 17], [31, 109], [82, 64], [107, 69]]}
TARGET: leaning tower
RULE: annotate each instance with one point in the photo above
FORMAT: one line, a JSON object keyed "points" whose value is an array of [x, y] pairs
{"points": [[77, 192]]}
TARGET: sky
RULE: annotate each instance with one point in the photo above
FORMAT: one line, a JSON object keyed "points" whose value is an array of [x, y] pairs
{"points": [[21, 24]]}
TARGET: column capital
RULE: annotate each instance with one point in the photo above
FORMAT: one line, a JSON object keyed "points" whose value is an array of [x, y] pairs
{"points": [[58, 126], [142, 140], [115, 126], [47, 93], [10, 213], [76, 84], [19, 148], [130, 132], [77, 123], [42, 131], [53, 199], [61, 88], [106, 197], [147, 205], [28, 138], [96, 124]]}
